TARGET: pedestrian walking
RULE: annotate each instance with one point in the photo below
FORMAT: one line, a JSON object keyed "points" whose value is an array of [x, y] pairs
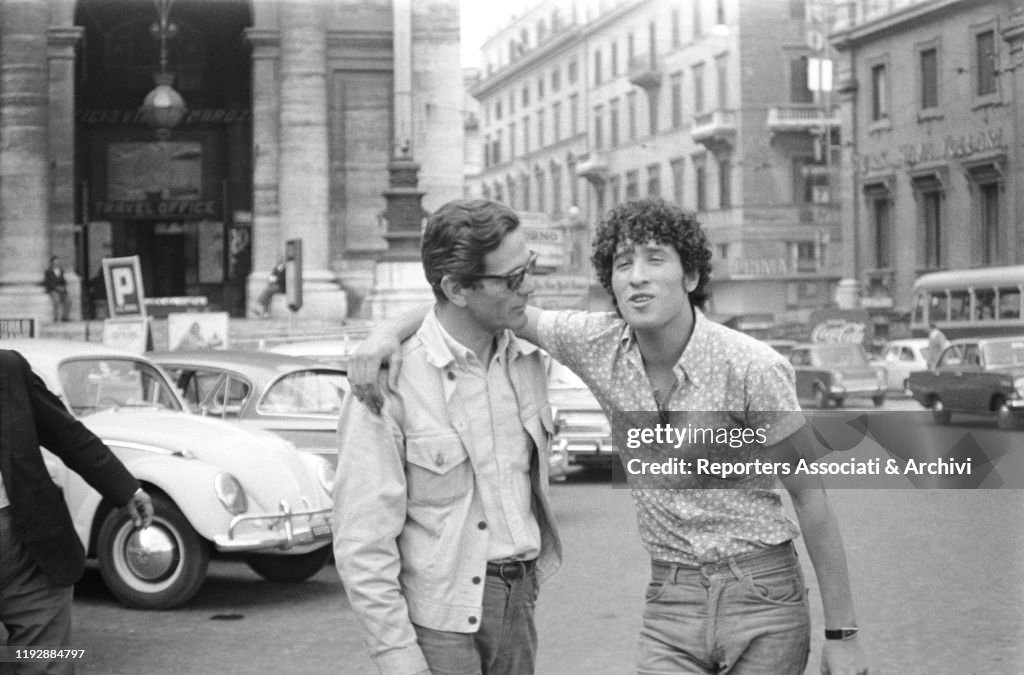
{"points": [[57, 288], [442, 528], [726, 591], [937, 343], [41, 556], [275, 284]]}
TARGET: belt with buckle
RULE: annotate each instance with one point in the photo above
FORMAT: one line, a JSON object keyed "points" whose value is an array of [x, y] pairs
{"points": [[510, 570]]}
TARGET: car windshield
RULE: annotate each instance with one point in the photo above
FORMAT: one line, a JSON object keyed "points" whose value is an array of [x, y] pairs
{"points": [[998, 354], [839, 355], [89, 385], [307, 392]]}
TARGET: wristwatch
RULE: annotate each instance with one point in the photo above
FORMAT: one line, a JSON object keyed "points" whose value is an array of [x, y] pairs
{"points": [[840, 633]]}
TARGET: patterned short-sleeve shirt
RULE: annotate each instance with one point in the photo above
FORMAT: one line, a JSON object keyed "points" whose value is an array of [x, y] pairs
{"points": [[720, 370]]}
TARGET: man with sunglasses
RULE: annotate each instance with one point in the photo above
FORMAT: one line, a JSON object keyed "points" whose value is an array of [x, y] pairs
{"points": [[442, 527]]}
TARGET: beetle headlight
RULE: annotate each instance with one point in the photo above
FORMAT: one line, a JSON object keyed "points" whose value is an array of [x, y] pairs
{"points": [[1018, 384], [230, 493]]}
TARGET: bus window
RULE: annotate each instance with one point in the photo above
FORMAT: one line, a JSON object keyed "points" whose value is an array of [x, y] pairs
{"points": [[938, 309], [1009, 303], [959, 306], [984, 304], [920, 303]]}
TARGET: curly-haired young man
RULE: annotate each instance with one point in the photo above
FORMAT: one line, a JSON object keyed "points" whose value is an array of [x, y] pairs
{"points": [[726, 592]]}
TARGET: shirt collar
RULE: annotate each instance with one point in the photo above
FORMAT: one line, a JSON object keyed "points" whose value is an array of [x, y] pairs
{"points": [[443, 350], [692, 364]]}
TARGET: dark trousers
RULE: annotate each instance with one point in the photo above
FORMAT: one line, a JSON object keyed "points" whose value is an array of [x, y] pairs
{"points": [[35, 611]]}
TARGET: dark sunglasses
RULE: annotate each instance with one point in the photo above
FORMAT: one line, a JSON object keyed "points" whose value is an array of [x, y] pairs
{"points": [[513, 279]]}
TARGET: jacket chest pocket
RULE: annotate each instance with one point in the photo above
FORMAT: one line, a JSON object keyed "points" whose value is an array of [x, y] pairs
{"points": [[437, 469]]}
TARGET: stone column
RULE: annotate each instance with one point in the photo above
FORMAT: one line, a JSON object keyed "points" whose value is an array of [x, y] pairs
{"points": [[62, 41], [304, 153], [847, 294], [267, 242], [1013, 34], [24, 175]]}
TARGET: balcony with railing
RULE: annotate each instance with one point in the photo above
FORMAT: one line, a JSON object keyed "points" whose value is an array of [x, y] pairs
{"points": [[807, 119], [645, 72], [853, 13], [593, 166], [715, 128]]}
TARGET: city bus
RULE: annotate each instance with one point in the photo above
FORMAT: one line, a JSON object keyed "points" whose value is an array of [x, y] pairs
{"points": [[970, 302]]}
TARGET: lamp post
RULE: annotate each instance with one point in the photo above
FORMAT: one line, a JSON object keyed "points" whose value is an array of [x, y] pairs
{"points": [[163, 107]]}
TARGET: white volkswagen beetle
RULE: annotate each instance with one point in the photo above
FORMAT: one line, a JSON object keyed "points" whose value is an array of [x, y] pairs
{"points": [[218, 488]]}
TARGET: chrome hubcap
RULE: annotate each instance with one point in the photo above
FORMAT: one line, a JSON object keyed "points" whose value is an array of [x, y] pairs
{"points": [[151, 554]]}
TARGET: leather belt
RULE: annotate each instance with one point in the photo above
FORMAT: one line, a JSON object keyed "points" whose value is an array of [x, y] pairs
{"points": [[511, 570]]}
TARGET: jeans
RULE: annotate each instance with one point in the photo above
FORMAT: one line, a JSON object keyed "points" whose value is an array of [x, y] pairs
{"points": [[35, 611], [746, 615], [506, 643]]}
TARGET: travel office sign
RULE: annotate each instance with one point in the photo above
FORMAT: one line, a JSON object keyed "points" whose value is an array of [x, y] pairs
{"points": [[952, 147], [156, 209]]}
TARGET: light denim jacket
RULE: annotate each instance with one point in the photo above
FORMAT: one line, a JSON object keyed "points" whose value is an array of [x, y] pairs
{"points": [[410, 534]]}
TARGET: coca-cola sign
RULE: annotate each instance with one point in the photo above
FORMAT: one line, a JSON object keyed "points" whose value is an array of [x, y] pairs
{"points": [[839, 331]]}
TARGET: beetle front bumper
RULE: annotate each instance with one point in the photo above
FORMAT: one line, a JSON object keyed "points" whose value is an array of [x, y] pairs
{"points": [[281, 530]]}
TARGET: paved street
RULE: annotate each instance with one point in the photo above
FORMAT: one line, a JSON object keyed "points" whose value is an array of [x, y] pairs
{"points": [[938, 578]]}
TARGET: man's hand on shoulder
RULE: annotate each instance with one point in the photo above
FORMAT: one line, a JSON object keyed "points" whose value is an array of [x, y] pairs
{"points": [[843, 657], [364, 367], [140, 508]]}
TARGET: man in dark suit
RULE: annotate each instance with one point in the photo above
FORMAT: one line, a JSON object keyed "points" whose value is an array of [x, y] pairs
{"points": [[40, 553]]}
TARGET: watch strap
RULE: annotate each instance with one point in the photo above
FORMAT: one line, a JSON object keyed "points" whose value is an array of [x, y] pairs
{"points": [[840, 633]]}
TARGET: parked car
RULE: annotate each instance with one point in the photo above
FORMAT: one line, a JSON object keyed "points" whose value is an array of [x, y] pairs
{"points": [[217, 488], [297, 398], [830, 373], [900, 358], [978, 376], [583, 436]]}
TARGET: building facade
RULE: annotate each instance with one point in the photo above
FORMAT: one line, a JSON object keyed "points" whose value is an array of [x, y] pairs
{"points": [[706, 103], [930, 93], [292, 113]]}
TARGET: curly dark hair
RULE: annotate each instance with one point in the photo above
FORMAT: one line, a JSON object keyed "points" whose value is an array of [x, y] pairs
{"points": [[458, 236], [643, 220]]}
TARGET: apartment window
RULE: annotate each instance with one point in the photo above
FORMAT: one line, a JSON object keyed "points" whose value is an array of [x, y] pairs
{"points": [[524, 183], [512, 103], [539, 177], [510, 186], [677, 100], [725, 184], [511, 140], [810, 181], [615, 183], [698, 88], [497, 110], [985, 63], [574, 114], [678, 166], [652, 42], [654, 180], [719, 12], [988, 182], [540, 88], [630, 47], [487, 151], [556, 188], [799, 92], [556, 121], [556, 79], [631, 115], [700, 184], [615, 59], [613, 121], [540, 128], [879, 93], [574, 185], [804, 256], [526, 95], [599, 198], [677, 39], [599, 127], [722, 75], [698, 20], [499, 194], [597, 66], [486, 191], [632, 184], [496, 152], [881, 215], [526, 134], [652, 113], [573, 72], [930, 219], [929, 78]]}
